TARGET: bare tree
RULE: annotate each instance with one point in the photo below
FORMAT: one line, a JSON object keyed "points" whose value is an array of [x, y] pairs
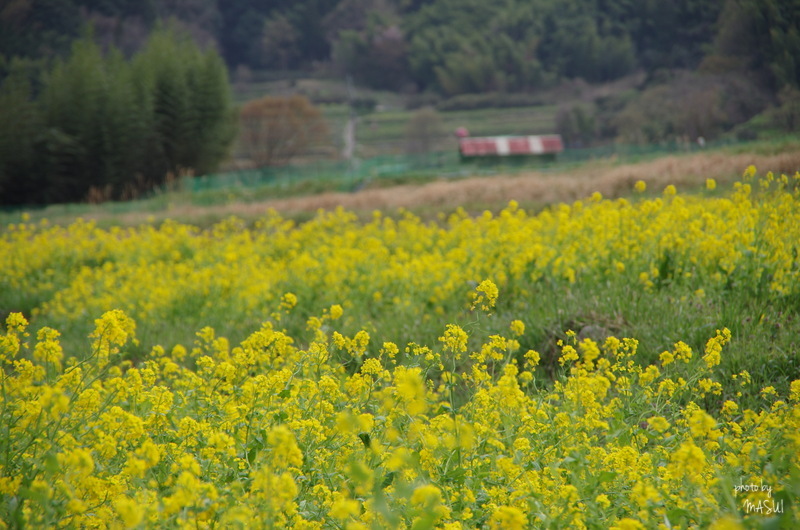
{"points": [[274, 130]]}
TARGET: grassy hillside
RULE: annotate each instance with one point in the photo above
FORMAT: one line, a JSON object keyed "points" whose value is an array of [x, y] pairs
{"points": [[385, 129]]}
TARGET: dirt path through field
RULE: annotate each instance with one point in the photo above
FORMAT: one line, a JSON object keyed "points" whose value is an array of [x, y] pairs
{"points": [[612, 180]]}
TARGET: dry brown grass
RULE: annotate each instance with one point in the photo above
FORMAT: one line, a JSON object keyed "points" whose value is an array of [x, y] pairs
{"points": [[494, 192]]}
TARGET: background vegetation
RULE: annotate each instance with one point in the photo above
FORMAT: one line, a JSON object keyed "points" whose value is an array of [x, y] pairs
{"points": [[108, 117], [453, 47], [99, 126]]}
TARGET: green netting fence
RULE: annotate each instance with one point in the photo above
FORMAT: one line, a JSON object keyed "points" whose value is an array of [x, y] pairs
{"points": [[354, 173], [341, 171]]}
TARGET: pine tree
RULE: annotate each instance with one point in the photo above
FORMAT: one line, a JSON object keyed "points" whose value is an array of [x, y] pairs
{"points": [[210, 115], [20, 128], [188, 97], [74, 105], [126, 122], [162, 66], [112, 128]]}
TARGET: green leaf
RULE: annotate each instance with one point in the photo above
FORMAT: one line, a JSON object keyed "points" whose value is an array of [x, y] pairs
{"points": [[606, 476], [678, 515], [456, 474], [388, 479]]}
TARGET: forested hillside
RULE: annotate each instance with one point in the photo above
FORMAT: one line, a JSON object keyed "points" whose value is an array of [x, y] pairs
{"points": [[103, 99], [446, 46], [98, 126]]}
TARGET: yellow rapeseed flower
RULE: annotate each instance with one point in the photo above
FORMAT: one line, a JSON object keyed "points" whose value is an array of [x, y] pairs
{"points": [[344, 508], [485, 295], [688, 461], [794, 392], [336, 312], [532, 359], [603, 501], [16, 322], [659, 423], [568, 353], [517, 328], [508, 518], [129, 511], [727, 522], [628, 524], [288, 301], [284, 450], [454, 339], [410, 389]]}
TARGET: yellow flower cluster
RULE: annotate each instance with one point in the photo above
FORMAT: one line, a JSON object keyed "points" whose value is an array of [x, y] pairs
{"points": [[267, 434], [333, 423], [176, 277]]}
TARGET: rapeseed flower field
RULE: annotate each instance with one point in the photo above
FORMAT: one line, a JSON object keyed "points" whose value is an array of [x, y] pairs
{"points": [[382, 374]]}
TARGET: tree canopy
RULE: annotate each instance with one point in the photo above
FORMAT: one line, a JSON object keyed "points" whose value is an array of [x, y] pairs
{"points": [[450, 46], [98, 124]]}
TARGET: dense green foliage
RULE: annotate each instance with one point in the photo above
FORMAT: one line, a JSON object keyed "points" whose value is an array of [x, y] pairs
{"points": [[118, 110], [34, 28], [763, 35], [454, 47], [99, 126]]}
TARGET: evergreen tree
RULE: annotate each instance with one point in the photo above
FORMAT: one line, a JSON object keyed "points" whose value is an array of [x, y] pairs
{"points": [[109, 128], [74, 105], [775, 29], [21, 128], [189, 102], [162, 67], [211, 115], [126, 122]]}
